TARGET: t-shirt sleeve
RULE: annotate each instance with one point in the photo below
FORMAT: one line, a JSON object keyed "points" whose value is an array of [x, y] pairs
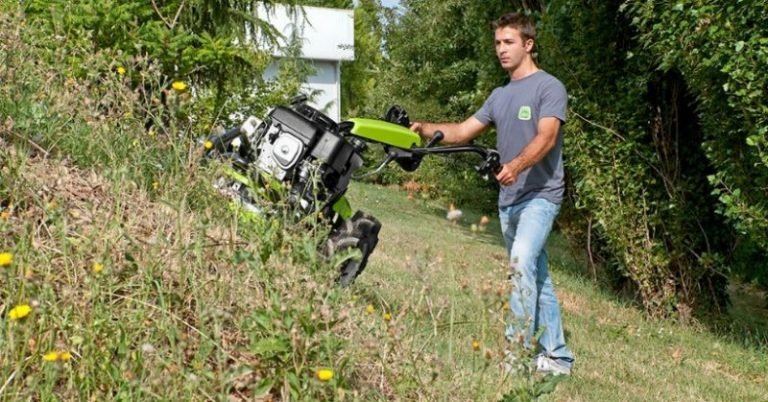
{"points": [[554, 101], [485, 114]]}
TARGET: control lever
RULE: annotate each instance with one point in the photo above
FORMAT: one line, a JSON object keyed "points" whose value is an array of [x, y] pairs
{"points": [[491, 164], [436, 138]]}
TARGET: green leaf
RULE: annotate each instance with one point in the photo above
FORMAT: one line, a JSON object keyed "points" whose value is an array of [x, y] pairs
{"points": [[263, 319], [271, 347], [264, 386]]}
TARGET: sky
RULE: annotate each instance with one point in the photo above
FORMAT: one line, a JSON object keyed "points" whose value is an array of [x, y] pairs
{"points": [[390, 3]]}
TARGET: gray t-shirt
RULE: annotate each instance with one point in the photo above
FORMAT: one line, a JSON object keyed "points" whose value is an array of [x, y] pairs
{"points": [[515, 110]]}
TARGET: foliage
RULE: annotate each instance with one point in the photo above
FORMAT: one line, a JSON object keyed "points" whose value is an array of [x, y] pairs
{"points": [[220, 48], [633, 143], [136, 281], [720, 52], [360, 77]]}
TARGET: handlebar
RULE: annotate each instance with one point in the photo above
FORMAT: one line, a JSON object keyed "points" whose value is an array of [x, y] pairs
{"points": [[221, 141], [410, 159]]}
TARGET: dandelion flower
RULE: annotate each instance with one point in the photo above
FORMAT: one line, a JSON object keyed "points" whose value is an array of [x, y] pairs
{"points": [[324, 374], [19, 312], [57, 356], [6, 259], [208, 145], [179, 86], [475, 345], [387, 316], [121, 70], [97, 267], [370, 309]]}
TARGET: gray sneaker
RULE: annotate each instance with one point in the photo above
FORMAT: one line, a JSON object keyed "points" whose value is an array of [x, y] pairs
{"points": [[545, 366]]}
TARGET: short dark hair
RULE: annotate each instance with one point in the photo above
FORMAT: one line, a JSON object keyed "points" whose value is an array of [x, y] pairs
{"points": [[519, 21]]}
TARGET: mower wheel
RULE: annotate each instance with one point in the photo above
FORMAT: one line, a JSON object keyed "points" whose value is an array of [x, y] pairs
{"points": [[361, 232]]}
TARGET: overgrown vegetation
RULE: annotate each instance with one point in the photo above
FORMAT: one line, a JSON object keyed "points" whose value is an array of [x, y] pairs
{"points": [[124, 276]]}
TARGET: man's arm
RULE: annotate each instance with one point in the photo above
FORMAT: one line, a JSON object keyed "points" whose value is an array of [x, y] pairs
{"points": [[454, 133], [535, 151]]}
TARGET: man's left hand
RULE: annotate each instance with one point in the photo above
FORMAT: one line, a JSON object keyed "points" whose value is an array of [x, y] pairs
{"points": [[507, 175]]}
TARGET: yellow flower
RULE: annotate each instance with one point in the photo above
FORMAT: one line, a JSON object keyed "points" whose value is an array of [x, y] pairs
{"points": [[57, 356], [97, 267], [208, 145], [51, 356], [6, 259], [155, 185], [19, 312], [475, 345], [324, 374], [387, 316], [180, 86], [121, 70], [370, 309]]}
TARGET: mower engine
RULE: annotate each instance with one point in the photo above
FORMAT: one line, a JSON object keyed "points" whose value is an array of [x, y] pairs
{"points": [[303, 148]]}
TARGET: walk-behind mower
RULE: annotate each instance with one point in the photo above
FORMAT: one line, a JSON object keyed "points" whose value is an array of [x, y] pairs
{"points": [[307, 160]]}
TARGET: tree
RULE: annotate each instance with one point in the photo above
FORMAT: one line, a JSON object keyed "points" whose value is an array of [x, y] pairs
{"points": [[206, 43]]}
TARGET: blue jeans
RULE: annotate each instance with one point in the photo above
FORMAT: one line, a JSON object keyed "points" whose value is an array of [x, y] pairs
{"points": [[535, 310]]}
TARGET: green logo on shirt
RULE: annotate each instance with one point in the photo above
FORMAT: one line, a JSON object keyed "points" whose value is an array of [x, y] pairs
{"points": [[524, 113]]}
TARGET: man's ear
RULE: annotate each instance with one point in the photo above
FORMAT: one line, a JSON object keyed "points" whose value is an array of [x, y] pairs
{"points": [[529, 45]]}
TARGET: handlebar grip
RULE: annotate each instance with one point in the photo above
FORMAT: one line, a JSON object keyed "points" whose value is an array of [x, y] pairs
{"points": [[220, 141]]}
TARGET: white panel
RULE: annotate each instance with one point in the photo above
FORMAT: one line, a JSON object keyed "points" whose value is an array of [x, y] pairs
{"points": [[323, 86]]}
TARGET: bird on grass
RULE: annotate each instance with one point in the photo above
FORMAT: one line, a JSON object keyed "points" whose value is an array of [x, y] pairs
{"points": [[412, 187], [453, 215], [483, 223], [480, 226]]}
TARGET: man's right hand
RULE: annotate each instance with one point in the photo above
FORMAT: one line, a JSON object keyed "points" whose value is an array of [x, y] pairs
{"points": [[417, 127]]}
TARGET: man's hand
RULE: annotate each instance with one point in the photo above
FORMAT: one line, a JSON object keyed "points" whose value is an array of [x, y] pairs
{"points": [[533, 153], [417, 128], [508, 173]]}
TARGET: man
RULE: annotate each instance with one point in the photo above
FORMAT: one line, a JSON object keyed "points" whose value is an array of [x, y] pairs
{"points": [[528, 113]]}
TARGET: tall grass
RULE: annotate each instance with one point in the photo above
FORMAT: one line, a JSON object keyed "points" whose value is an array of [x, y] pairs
{"points": [[139, 282]]}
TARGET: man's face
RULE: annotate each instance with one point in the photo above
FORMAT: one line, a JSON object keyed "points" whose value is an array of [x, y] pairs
{"points": [[510, 48]]}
